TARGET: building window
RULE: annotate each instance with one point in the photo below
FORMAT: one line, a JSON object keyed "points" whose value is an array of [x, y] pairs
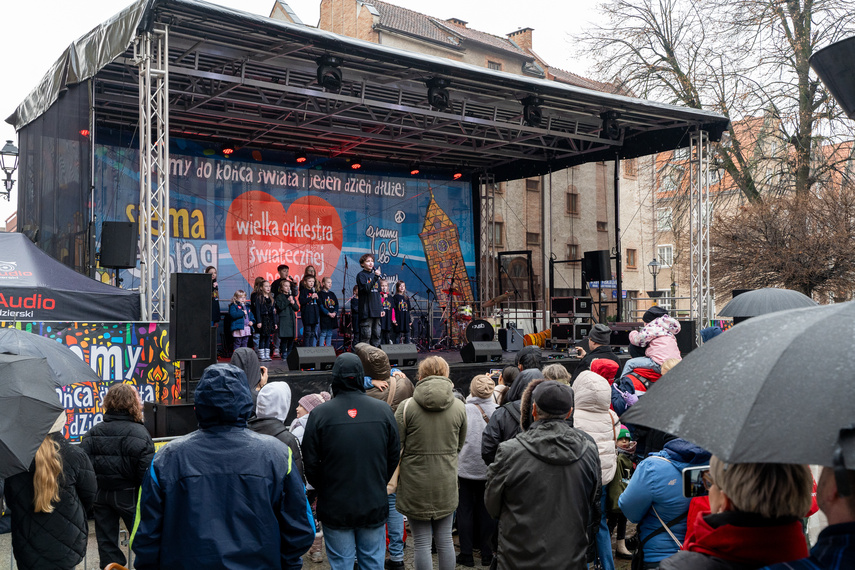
{"points": [[496, 65], [663, 219], [532, 185], [498, 233], [572, 203], [630, 168], [573, 251], [665, 253], [631, 259], [602, 226], [532, 238]]}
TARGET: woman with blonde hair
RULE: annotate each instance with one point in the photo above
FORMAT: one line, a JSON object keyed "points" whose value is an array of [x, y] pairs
{"points": [[121, 451], [432, 427], [49, 504]]}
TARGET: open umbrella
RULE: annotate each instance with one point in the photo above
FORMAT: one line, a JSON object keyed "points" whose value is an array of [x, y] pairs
{"points": [[29, 405], [762, 301], [774, 389], [66, 367]]}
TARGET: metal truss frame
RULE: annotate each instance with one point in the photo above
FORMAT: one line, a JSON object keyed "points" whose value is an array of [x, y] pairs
{"points": [[700, 304], [151, 51], [487, 184]]}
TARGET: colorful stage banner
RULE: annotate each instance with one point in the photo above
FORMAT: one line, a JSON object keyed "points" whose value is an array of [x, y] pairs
{"points": [[246, 216], [134, 353]]}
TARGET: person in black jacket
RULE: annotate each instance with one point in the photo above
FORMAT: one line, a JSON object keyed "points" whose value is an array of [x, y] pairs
{"points": [[504, 424], [370, 307], [328, 304], [401, 314], [350, 451], [272, 407], [599, 344], [121, 451], [49, 505]]}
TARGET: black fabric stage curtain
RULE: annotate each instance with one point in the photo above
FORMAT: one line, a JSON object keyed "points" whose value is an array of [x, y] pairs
{"points": [[54, 179]]}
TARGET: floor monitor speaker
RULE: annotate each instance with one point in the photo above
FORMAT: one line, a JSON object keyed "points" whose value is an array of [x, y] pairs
{"points": [[511, 339], [481, 352], [401, 354], [311, 358]]}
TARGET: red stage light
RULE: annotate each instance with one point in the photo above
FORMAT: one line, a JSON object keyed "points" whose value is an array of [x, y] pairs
{"points": [[356, 164], [301, 157], [84, 132], [458, 175], [415, 170]]}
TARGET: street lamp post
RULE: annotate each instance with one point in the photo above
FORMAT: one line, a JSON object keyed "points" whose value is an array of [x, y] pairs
{"points": [[9, 164], [653, 267]]}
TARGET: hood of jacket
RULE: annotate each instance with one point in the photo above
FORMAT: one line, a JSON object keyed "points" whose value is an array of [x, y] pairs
{"points": [[515, 392], [222, 397], [592, 392], [554, 442], [347, 374], [246, 359], [681, 451], [434, 393], [274, 401]]}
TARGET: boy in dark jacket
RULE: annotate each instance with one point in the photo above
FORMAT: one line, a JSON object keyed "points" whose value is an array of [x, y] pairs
{"points": [[401, 315], [351, 429], [236, 495], [370, 306], [328, 303], [385, 313]]}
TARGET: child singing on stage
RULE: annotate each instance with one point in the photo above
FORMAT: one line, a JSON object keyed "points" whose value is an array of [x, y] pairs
{"points": [[385, 313], [309, 310], [369, 301], [329, 312], [265, 320], [242, 319], [286, 307], [401, 313]]}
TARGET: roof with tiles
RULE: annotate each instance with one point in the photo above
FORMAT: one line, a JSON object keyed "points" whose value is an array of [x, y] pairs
{"points": [[572, 79], [482, 37]]}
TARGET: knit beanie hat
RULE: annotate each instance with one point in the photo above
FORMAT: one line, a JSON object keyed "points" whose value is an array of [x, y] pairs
{"points": [[482, 386], [553, 397], [601, 334], [624, 432], [311, 401], [653, 313]]}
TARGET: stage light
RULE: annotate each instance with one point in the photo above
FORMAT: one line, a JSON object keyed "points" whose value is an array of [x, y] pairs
{"points": [[458, 175], [611, 129], [301, 157], [355, 164], [228, 149], [414, 170], [532, 113], [438, 96], [84, 132], [329, 74]]}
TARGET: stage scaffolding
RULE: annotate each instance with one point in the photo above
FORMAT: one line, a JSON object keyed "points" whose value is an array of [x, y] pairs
{"points": [[151, 51], [700, 305], [487, 184]]}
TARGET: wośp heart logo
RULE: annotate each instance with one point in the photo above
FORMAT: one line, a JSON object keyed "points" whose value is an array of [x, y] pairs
{"points": [[261, 234]]}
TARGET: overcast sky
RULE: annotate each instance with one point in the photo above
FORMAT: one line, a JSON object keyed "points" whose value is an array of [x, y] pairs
{"points": [[35, 32]]}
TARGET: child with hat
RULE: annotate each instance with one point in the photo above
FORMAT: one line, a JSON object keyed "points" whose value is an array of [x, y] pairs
{"points": [[625, 467], [305, 406]]}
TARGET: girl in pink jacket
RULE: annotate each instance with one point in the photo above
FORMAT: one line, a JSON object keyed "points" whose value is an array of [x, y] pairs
{"points": [[659, 340]]}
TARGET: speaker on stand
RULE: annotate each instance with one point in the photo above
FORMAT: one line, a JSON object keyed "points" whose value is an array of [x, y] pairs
{"points": [[119, 246]]}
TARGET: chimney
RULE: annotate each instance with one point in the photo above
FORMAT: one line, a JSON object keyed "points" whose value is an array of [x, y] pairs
{"points": [[522, 38], [457, 21]]}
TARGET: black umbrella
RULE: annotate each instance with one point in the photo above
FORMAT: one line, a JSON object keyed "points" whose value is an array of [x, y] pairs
{"points": [[763, 301], [29, 405], [66, 367], [777, 388]]}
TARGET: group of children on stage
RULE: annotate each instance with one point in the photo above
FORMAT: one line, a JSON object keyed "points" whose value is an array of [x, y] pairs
{"points": [[271, 311]]}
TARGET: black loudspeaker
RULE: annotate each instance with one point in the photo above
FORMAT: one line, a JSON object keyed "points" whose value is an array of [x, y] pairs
{"points": [[511, 339], [581, 331], [562, 331], [169, 420], [311, 358], [562, 306], [119, 245], [190, 316], [686, 340], [401, 354], [597, 265], [481, 352], [582, 306], [197, 367]]}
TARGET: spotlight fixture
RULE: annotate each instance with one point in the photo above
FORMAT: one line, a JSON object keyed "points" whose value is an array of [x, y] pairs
{"points": [[329, 74], [438, 96], [301, 157], [532, 113], [228, 149], [414, 170], [457, 175], [355, 164], [84, 132], [611, 129]]}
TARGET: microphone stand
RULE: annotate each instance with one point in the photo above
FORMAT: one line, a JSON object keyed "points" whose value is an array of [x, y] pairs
{"points": [[516, 296], [429, 293]]}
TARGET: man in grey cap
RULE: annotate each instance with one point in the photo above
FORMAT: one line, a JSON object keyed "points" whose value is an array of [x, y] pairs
{"points": [[599, 346], [550, 472]]}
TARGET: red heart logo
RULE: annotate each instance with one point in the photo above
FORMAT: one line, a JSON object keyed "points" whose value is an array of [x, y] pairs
{"points": [[351, 412], [261, 235]]}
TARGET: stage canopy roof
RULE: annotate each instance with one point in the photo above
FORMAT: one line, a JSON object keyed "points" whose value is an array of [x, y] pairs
{"points": [[252, 80]]}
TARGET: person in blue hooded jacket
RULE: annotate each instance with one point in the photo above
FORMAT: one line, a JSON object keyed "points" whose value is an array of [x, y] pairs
{"points": [[656, 488], [223, 496]]}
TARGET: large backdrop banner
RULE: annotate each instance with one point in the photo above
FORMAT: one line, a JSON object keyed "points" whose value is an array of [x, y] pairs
{"points": [[134, 353], [246, 216]]}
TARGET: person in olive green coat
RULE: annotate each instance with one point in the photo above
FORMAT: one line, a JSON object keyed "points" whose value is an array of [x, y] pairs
{"points": [[432, 428]]}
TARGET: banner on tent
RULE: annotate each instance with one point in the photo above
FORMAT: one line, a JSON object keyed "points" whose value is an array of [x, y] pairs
{"points": [[246, 218], [134, 353]]}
